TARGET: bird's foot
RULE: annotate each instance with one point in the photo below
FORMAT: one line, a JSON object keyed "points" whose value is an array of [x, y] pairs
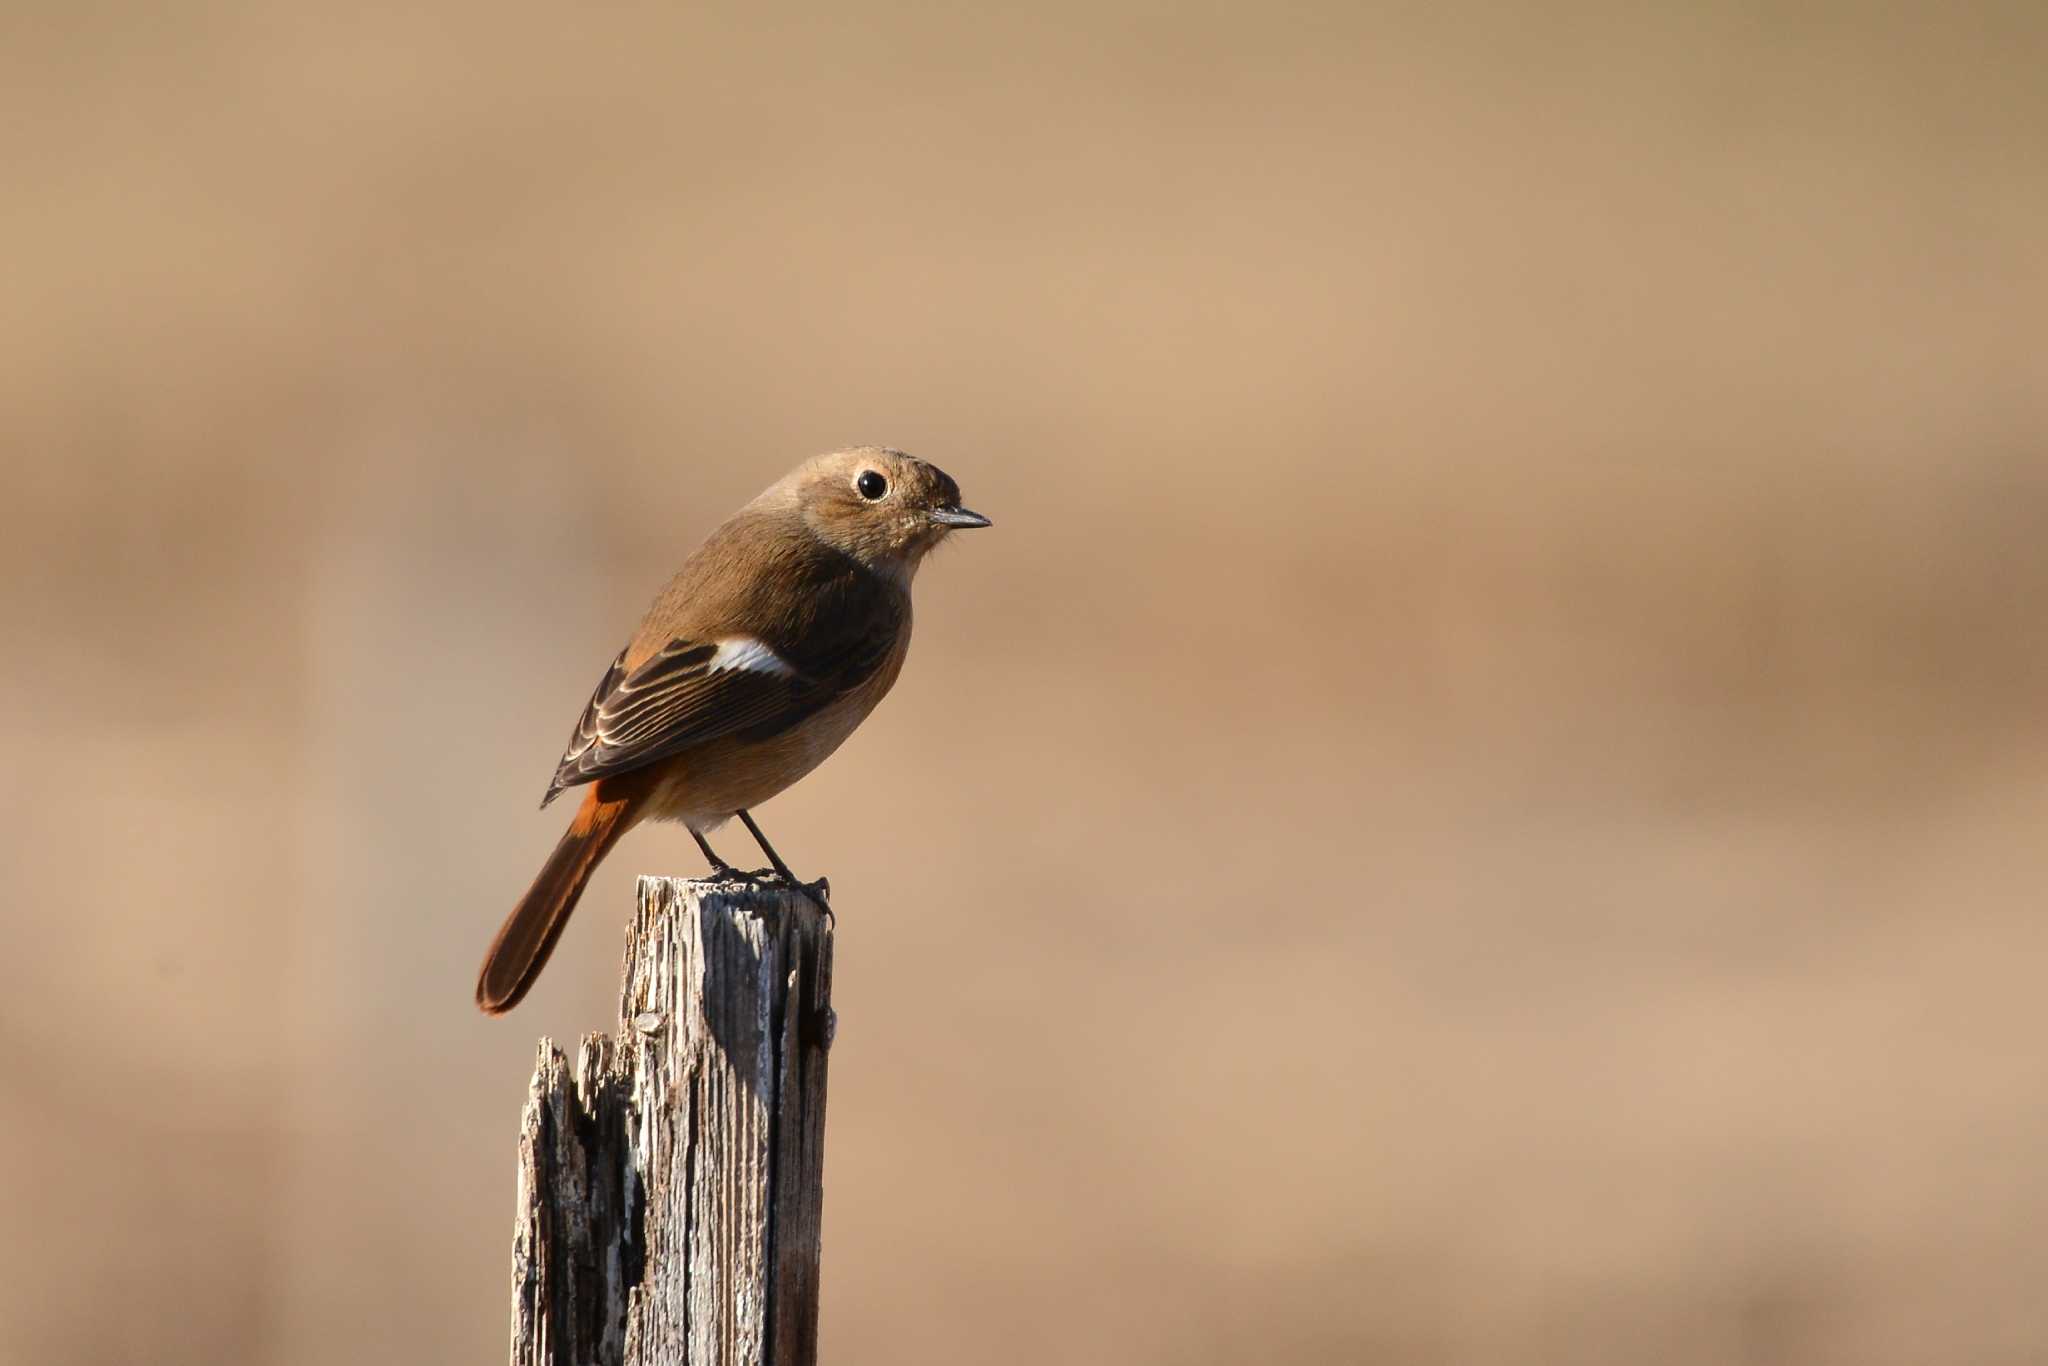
{"points": [[817, 893]]}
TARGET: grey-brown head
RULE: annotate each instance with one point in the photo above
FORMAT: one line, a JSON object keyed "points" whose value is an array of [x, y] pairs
{"points": [[881, 506]]}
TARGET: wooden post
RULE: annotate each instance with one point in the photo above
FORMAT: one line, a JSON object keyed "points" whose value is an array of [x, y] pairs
{"points": [[671, 1182]]}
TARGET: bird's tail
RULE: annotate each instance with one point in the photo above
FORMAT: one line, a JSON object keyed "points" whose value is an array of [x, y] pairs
{"points": [[528, 935]]}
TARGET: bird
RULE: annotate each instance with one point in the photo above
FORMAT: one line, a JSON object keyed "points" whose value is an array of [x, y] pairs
{"points": [[778, 637]]}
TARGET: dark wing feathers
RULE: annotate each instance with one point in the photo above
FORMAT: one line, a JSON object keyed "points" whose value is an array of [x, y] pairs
{"points": [[669, 703], [674, 700]]}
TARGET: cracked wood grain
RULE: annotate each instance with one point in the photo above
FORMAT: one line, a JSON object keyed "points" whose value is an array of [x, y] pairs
{"points": [[671, 1180]]}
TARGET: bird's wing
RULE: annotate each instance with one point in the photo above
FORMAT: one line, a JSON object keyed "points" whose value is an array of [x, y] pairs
{"points": [[691, 691]]}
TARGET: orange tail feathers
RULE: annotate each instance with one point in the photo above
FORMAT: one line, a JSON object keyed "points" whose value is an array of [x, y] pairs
{"points": [[528, 935]]}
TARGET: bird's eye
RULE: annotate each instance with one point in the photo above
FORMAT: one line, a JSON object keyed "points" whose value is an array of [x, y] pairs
{"points": [[871, 485]]}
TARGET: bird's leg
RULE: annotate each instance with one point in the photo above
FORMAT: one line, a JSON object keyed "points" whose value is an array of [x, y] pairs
{"points": [[718, 865], [782, 868], [774, 859]]}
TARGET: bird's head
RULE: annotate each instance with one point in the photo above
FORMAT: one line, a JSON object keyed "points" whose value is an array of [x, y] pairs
{"points": [[884, 508]]}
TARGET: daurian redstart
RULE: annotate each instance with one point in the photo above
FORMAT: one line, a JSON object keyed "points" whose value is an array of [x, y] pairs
{"points": [[777, 638]]}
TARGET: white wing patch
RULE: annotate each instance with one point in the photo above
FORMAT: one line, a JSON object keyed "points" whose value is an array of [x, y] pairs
{"points": [[748, 655]]}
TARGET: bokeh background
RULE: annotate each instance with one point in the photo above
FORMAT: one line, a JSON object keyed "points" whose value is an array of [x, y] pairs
{"points": [[1484, 801]]}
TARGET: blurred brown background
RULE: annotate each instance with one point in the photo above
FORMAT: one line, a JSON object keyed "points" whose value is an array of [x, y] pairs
{"points": [[1484, 802]]}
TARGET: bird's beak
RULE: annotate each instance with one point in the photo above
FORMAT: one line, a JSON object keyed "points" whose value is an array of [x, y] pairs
{"points": [[958, 518]]}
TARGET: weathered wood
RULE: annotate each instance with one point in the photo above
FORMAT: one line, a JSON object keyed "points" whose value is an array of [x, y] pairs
{"points": [[671, 1182]]}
